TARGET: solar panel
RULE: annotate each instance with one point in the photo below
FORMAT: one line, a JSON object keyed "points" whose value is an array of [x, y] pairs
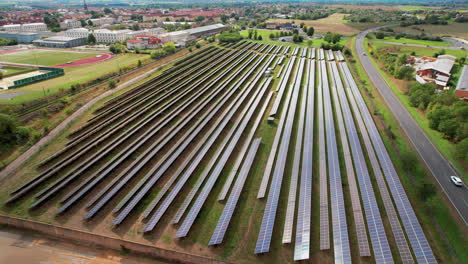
{"points": [[302, 246], [244, 149], [312, 53], [288, 224], [238, 128], [402, 245], [266, 229], [379, 240], [282, 87], [416, 236], [223, 222], [324, 218], [340, 230]]}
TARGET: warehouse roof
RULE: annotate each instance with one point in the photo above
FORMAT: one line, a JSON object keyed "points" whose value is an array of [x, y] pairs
{"points": [[463, 81], [204, 28], [444, 64]]}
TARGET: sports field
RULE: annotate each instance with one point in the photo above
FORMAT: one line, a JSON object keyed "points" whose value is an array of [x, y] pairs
{"points": [[73, 75], [334, 23], [44, 57]]}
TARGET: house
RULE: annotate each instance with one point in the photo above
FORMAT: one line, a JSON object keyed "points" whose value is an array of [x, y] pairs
{"points": [[70, 23], [462, 87], [144, 42], [31, 27], [271, 25], [436, 71], [286, 26]]}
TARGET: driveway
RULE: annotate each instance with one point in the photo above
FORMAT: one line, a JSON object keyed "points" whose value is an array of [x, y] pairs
{"points": [[440, 167]]}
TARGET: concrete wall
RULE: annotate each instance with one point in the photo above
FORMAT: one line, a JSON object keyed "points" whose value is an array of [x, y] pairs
{"points": [[93, 240]]}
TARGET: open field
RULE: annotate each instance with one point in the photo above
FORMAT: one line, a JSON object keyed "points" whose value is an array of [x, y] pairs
{"points": [[44, 57], [333, 23], [420, 51], [73, 75], [15, 70], [458, 30], [366, 7], [168, 154], [417, 41], [265, 33]]}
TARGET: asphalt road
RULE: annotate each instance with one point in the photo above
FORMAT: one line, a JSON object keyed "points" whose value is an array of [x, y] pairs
{"points": [[440, 167]]}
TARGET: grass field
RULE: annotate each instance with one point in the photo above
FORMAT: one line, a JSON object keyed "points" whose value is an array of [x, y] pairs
{"points": [[334, 23], [44, 57], [265, 33], [315, 42], [14, 70], [72, 76], [453, 29], [416, 41], [420, 51]]}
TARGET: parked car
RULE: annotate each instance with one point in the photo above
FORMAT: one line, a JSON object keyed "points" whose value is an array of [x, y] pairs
{"points": [[457, 181]]}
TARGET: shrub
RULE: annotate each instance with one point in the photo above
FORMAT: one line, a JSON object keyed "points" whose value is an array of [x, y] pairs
{"points": [[112, 84]]}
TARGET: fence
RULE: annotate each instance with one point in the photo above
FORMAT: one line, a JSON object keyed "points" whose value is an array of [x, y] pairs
{"points": [[51, 73], [94, 240]]}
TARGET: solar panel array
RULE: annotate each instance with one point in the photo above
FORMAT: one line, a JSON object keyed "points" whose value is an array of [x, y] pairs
{"points": [[361, 232], [324, 217], [402, 245], [341, 247], [302, 242], [266, 228], [223, 222], [418, 241]]}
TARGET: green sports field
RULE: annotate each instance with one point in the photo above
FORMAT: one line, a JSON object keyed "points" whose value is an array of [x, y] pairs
{"points": [[44, 57]]}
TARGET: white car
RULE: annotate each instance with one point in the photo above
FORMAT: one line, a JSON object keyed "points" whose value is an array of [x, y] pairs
{"points": [[457, 181]]}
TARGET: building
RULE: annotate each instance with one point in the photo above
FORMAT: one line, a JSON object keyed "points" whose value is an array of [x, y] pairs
{"points": [[436, 71], [205, 30], [462, 87], [60, 42], [101, 21], [20, 37], [31, 27], [111, 36], [271, 25], [70, 23], [77, 33], [179, 37], [144, 42], [148, 32]]}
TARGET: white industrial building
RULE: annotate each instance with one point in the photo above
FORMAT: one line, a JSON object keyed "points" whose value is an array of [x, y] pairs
{"points": [[102, 21], [179, 37], [70, 23], [77, 33], [31, 27], [111, 36]]}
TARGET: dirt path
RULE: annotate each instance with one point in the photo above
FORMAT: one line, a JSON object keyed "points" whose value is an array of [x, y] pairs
{"points": [[10, 168]]}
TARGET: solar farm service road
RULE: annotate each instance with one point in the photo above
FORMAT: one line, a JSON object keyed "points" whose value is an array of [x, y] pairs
{"points": [[439, 166]]}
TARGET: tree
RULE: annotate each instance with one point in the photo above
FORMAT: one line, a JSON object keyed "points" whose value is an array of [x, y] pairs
{"points": [[197, 45], [224, 18], [107, 11], [83, 23], [310, 31], [462, 150], [309, 43], [112, 84], [230, 37], [379, 35], [1, 75], [139, 63], [136, 27], [199, 18], [297, 38], [259, 37], [90, 23], [117, 48], [169, 48], [158, 54], [91, 39]]}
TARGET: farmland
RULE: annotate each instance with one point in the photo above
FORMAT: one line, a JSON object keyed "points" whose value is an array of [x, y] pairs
{"points": [[453, 29], [44, 57], [334, 23], [200, 155]]}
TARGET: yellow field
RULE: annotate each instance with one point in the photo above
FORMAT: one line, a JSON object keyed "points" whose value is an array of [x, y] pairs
{"points": [[333, 23]]}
